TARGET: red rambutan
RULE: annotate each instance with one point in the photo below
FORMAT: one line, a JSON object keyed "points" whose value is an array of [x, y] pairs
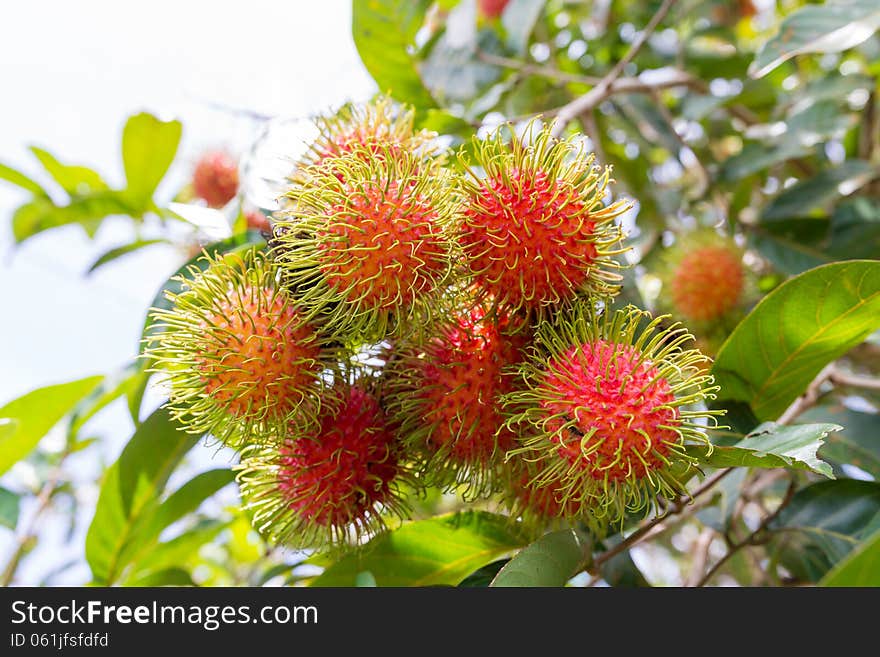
{"points": [[215, 178], [705, 278]]}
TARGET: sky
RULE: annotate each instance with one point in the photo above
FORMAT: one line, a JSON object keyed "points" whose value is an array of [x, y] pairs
{"points": [[72, 72]]}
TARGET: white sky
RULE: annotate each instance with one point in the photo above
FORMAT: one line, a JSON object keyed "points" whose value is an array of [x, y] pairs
{"points": [[71, 72]]}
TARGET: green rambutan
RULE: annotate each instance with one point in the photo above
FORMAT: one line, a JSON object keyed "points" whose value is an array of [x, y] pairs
{"points": [[329, 485], [236, 351], [611, 401], [536, 230], [366, 243]]}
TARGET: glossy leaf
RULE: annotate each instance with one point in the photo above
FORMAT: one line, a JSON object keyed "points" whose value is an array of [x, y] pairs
{"points": [[818, 192], [440, 550], [30, 417], [384, 31], [19, 179], [131, 491], [823, 523], [113, 386], [9, 508], [73, 179], [178, 549], [552, 560], [773, 445], [832, 27], [519, 18], [119, 251], [148, 148], [804, 324], [860, 568], [87, 211]]}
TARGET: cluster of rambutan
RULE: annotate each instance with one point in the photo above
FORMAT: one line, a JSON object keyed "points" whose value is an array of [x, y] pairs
{"points": [[416, 322]]}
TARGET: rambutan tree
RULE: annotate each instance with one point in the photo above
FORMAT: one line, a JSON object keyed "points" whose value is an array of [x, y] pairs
{"points": [[556, 307]]}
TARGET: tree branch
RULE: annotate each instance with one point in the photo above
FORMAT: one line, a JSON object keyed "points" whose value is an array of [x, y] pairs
{"points": [[597, 94]]}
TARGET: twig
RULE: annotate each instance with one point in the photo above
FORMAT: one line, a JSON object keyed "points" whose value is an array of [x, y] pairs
{"points": [[754, 538], [675, 508], [841, 378], [701, 555], [594, 96], [808, 399], [548, 72]]}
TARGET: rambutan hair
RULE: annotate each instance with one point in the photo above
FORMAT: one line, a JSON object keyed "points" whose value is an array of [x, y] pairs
{"points": [[610, 405], [331, 485], [367, 242], [237, 354], [537, 231]]}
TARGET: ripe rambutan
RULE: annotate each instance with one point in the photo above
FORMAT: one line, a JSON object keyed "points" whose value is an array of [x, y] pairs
{"points": [[536, 230], [608, 410], [375, 129], [491, 8], [369, 248], [329, 485], [236, 351], [256, 220], [444, 392], [534, 507], [703, 277], [215, 178]]}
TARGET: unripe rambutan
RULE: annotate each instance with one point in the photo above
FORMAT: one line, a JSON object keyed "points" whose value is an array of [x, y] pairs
{"points": [[444, 393], [329, 485], [374, 129], [536, 231], [238, 355], [703, 276], [608, 410], [367, 249], [215, 178]]}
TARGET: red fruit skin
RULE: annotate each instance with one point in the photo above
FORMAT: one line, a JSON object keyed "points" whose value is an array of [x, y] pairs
{"points": [[492, 8], [463, 376], [389, 252], [526, 240], [266, 357], [339, 474], [619, 405], [215, 179], [707, 282]]}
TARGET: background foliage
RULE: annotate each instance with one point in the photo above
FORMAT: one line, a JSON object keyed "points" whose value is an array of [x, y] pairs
{"points": [[760, 119]]}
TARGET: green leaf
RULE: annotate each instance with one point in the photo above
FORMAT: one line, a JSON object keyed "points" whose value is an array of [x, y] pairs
{"points": [[384, 31], [832, 27], [112, 386], [797, 329], [17, 178], [819, 191], [855, 229], [519, 18], [453, 73], [168, 577], [116, 252], [757, 157], [183, 501], [860, 568], [620, 571], [437, 551], [179, 549], [30, 417], [773, 445], [552, 560], [148, 149], [823, 523], [131, 490], [75, 180], [87, 211], [858, 444], [9, 508], [482, 577], [784, 244]]}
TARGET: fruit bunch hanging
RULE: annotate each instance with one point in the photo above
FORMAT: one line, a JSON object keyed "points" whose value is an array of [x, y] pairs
{"points": [[426, 320]]}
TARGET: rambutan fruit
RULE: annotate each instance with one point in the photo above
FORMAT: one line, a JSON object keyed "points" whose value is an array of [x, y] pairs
{"points": [[330, 485], [610, 405], [444, 391], [256, 220], [536, 229], [215, 178], [491, 8], [536, 508], [703, 277], [374, 129], [368, 249], [239, 358]]}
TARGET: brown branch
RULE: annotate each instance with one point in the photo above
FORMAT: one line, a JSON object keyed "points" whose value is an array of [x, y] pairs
{"points": [[597, 94], [841, 378], [754, 538], [701, 555], [808, 399]]}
